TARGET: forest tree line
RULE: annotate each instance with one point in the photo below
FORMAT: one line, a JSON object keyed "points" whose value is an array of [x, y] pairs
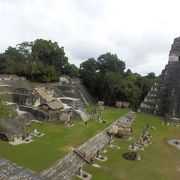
{"points": [[106, 77]]}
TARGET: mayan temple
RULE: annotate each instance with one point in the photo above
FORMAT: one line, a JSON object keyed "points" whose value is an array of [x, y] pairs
{"points": [[164, 96]]}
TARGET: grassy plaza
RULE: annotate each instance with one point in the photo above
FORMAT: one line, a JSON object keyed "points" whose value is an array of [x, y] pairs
{"points": [[57, 141], [159, 160]]}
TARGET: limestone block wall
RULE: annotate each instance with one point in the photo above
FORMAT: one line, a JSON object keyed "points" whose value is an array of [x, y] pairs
{"points": [[37, 113], [68, 166], [8, 77]]}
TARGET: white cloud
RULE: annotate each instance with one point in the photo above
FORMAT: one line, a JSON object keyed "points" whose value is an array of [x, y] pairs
{"points": [[140, 32]]}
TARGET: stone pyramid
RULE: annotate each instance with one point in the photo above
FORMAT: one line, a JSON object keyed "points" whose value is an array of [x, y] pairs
{"points": [[164, 96]]}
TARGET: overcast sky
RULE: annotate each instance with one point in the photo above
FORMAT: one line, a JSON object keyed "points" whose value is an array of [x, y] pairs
{"points": [[140, 32]]}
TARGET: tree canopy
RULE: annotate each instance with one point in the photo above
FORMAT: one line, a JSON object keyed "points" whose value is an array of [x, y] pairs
{"points": [[106, 77], [41, 60], [107, 80]]}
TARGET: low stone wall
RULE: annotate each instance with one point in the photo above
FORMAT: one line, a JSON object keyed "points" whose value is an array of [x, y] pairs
{"points": [[68, 166], [8, 77]]}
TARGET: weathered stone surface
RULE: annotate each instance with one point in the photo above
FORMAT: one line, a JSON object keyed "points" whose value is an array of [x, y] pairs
{"points": [[164, 96], [119, 104], [113, 130], [65, 118], [100, 103], [8, 77], [10, 171], [125, 104]]}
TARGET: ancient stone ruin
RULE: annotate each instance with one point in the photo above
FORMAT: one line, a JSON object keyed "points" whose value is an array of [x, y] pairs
{"points": [[164, 96], [10, 130], [63, 101], [121, 130], [120, 104], [143, 141], [72, 163]]}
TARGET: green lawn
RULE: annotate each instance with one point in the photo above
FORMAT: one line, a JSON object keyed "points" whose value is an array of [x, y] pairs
{"points": [[58, 140], [159, 161]]}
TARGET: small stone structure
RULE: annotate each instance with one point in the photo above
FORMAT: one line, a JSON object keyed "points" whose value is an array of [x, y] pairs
{"points": [[64, 79], [174, 142], [163, 97], [113, 130], [122, 104], [65, 118], [143, 141], [37, 133], [125, 104], [11, 130], [100, 103], [119, 104], [121, 130]]}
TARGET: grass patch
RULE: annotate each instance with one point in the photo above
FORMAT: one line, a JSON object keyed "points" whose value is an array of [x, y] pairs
{"points": [[57, 141], [159, 161]]}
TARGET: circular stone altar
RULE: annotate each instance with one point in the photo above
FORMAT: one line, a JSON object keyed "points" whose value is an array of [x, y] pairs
{"points": [[131, 156], [174, 142]]}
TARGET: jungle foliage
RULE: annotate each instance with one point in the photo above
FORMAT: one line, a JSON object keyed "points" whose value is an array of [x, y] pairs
{"points": [[107, 80], [106, 77], [41, 60]]}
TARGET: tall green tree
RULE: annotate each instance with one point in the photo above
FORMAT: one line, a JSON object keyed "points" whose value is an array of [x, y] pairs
{"points": [[110, 62], [11, 61], [37, 61], [88, 72], [50, 54], [71, 70]]}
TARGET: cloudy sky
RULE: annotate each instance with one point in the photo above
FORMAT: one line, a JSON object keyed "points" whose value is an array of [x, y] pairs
{"points": [[140, 32]]}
